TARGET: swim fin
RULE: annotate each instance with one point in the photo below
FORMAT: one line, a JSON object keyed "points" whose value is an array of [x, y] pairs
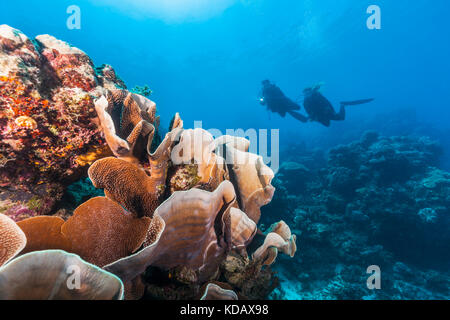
{"points": [[356, 102], [298, 116]]}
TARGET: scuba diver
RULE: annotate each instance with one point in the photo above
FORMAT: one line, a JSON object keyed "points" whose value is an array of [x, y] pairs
{"points": [[317, 107], [277, 102]]}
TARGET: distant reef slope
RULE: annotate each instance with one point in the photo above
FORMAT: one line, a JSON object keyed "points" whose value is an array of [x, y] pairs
{"points": [[377, 201]]}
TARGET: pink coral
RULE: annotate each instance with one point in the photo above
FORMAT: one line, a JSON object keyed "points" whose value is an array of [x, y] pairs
{"points": [[48, 124], [20, 212]]}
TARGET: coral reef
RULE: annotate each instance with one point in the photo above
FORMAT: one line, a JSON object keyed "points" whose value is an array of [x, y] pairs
{"points": [[377, 201], [174, 210], [185, 233], [86, 180], [142, 223], [48, 123]]}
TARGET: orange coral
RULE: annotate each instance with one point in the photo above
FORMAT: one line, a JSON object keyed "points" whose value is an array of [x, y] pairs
{"points": [[43, 233], [100, 231], [92, 155], [127, 184], [26, 122]]}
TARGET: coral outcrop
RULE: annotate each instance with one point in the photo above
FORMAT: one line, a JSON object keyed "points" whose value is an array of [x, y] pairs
{"points": [[174, 211], [48, 123]]}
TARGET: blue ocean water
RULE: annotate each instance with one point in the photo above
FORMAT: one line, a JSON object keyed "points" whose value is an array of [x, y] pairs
{"points": [[206, 60], [200, 64]]}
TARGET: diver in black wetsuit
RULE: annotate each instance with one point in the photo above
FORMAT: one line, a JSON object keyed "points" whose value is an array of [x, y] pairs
{"points": [[320, 109], [276, 101]]}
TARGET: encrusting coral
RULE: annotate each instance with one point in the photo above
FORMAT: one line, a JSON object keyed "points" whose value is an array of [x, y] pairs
{"points": [[48, 121], [181, 209]]}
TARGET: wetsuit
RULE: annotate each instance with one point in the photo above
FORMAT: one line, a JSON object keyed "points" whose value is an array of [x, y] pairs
{"points": [[320, 109], [276, 101]]}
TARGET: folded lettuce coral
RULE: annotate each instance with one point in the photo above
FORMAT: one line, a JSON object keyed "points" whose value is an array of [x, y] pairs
{"points": [[195, 151], [49, 274], [278, 238], [101, 231], [243, 229], [251, 175], [126, 120], [194, 230], [128, 185], [215, 292], [56, 275]]}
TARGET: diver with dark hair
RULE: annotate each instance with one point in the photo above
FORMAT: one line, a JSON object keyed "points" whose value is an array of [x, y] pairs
{"points": [[277, 102], [319, 109]]}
